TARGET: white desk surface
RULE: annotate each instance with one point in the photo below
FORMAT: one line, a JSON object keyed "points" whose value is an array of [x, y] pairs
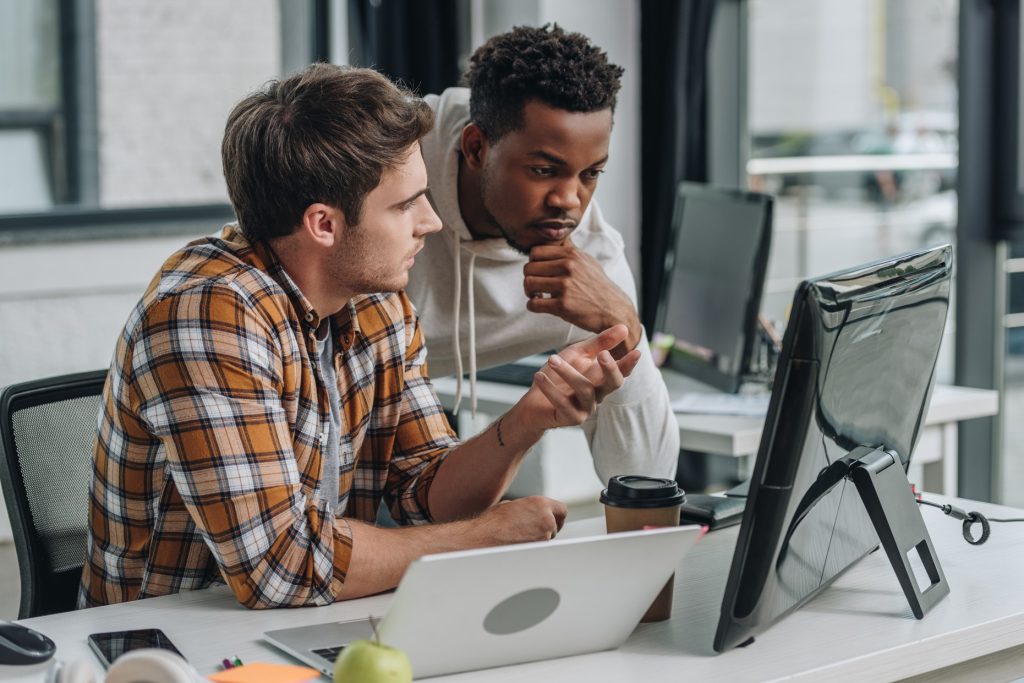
{"points": [[730, 434], [859, 629]]}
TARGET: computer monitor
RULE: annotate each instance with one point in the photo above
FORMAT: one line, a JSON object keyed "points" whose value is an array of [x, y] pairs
{"points": [[849, 400], [711, 289]]}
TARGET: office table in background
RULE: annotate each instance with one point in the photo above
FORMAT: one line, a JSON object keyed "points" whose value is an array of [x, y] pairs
{"points": [[859, 629], [559, 469]]}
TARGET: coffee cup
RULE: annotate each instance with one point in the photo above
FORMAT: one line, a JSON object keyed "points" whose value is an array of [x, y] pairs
{"points": [[632, 502]]}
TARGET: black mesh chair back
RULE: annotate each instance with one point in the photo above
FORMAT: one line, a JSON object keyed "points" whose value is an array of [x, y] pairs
{"points": [[47, 431]]}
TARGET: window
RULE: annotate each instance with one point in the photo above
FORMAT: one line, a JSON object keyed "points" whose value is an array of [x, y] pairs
{"points": [[1013, 378], [31, 115], [852, 123], [115, 105]]}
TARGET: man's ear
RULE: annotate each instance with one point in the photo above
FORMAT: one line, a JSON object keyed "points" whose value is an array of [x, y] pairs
{"points": [[322, 224], [474, 145]]}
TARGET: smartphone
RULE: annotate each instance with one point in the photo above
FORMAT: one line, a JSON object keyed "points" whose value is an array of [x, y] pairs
{"points": [[110, 646]]}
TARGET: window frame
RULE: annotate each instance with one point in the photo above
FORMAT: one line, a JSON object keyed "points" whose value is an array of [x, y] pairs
{"points": [[71, 133]]}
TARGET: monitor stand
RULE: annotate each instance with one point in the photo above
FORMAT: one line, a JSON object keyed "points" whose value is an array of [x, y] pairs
{"points": [[886, 493]]}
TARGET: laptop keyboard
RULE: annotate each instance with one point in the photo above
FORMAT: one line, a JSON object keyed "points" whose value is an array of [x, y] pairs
{"points": [[329, 653]]}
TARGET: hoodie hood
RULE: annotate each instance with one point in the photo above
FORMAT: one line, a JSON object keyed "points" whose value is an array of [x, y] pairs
{"points": [[441, 155]]}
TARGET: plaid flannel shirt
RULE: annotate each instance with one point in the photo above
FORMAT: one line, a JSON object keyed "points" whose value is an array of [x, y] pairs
{"points": [[207, 466]]}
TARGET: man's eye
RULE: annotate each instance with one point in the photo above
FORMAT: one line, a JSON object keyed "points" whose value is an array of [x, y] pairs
{"points": [[543, 171], [593, 173], [409, 204]]}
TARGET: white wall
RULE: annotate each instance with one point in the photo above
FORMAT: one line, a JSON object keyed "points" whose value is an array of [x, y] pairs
{"points": [[168, 74]]}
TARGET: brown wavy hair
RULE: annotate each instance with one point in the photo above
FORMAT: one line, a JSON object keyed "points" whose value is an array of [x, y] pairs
{"points": [[324, 135]]}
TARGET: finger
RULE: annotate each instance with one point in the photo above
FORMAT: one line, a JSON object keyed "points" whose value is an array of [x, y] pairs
{"points": [[551, 252], [552, 268], [564, 409], [611, 377], [534, 285], [606, 341], [628, 362], [560, 511], [556, 379], [545, 304], [582, 387]]}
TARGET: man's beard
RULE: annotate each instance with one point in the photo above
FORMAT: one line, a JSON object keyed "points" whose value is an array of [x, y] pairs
{"points": [[484, 194], [348, 269], [525, 251]]}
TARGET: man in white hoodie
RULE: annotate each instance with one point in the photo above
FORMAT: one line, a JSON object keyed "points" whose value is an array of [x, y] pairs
{"points": [[525, 262]]}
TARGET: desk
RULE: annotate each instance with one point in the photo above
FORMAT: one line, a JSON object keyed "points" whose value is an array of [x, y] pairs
{"points": [[860, 629], [935, 459]]}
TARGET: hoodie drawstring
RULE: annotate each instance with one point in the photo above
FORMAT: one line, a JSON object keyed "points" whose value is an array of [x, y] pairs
{"points": [[456, 307], [472, 334], [457, 253]]}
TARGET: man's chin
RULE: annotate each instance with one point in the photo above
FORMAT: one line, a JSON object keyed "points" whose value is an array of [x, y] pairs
{"points": [[521, 248], [537, 238], [390, 286]]}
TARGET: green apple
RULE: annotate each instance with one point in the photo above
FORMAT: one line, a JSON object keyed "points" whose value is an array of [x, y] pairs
{"points": [[366, 661]]}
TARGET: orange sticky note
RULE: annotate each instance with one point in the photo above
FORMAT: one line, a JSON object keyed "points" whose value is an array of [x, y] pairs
{"points": [[265, 673]]}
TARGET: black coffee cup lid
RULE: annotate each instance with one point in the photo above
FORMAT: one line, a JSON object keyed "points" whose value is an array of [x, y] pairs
{"points": [[635, 491]]}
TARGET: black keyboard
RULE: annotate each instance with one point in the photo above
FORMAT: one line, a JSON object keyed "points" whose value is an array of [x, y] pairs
{"points": [[513, 373], [329, 653]]}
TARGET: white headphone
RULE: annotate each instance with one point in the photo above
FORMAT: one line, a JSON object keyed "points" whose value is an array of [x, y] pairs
{"points": [[148, 665]]}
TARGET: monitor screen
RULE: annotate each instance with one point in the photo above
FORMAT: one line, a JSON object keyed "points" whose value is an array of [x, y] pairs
{"points": [[856, 370], [714, 275]]}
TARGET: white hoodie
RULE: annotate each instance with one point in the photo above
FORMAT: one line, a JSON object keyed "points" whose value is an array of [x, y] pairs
{"points": [[469, 295]]}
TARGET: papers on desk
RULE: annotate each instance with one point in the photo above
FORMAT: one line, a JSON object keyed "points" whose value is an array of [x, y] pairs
{"points": [[747, 405], [265, 673]]}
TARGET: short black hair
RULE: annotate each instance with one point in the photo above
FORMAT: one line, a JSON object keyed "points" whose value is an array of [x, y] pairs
{"points": [[562, 70]]}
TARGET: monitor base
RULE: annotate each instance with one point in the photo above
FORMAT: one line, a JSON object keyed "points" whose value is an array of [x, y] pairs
{"points": [[887, 496]]}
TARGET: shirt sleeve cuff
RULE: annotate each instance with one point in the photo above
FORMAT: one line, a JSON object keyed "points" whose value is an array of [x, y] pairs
{"points": [[343, 544]]}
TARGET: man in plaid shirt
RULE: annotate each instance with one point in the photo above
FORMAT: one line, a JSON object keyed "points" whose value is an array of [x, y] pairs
{"points": [[270, 388]]}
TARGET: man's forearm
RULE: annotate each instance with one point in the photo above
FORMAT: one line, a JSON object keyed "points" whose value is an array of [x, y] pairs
{"points": [[380, 556], [476, 473]]}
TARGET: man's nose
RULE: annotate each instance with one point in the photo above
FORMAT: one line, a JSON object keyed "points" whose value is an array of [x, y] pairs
{"points": [[565, 195], [430, 222]]}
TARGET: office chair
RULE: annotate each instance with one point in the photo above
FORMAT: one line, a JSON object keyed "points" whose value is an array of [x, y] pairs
{"points": [[47, 430]]}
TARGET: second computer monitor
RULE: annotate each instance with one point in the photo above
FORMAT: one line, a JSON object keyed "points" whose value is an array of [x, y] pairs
{"points": [[714, 274]]}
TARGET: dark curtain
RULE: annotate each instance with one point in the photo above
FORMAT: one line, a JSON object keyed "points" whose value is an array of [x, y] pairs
{"points": [[414, 41], [674, 38]]}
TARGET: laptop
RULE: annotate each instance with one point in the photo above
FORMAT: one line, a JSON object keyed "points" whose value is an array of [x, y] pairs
{"points": [[477, 609]]}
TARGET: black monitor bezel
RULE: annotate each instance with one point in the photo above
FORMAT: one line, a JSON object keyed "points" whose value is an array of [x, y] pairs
{"points": [[700, 371]]}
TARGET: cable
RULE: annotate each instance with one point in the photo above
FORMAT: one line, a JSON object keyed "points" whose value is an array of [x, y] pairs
{"points": [[969, 520]]}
